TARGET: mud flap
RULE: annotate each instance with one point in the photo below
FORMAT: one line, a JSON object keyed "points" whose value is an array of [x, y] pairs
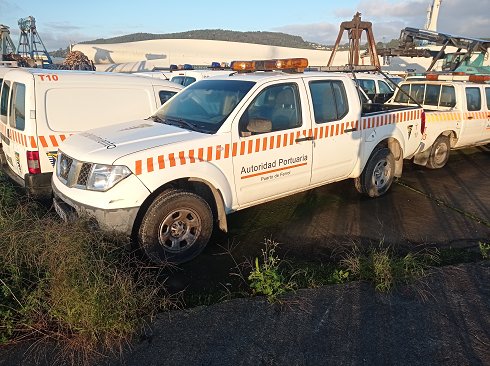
{"points": [[422, 158]]}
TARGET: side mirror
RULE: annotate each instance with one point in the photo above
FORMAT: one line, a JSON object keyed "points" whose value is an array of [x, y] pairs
{"points": [[256, 126]]}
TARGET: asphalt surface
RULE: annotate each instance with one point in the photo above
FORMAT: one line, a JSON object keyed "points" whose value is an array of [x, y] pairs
{"points": [[444, 320]]}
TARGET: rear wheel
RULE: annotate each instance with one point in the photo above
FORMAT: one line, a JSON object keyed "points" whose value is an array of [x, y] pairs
{"points": [[176, 227], [378, 174], [439, 153]]}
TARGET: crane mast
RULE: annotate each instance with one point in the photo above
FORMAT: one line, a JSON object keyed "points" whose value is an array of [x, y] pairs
{"points": [[432, 15], [30, 43]]}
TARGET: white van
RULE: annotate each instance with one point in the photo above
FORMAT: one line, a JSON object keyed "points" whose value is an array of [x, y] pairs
{"points": [[40, 108]]}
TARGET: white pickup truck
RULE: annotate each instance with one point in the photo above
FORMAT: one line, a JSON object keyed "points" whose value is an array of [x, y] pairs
{"points": [[457, 112], [226, 143]]}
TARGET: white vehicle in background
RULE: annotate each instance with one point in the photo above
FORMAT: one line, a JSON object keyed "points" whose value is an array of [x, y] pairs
{"points": [[187, 77], [377, 87], [40, 108], [185, 74], [265, 131], [458, 113]]}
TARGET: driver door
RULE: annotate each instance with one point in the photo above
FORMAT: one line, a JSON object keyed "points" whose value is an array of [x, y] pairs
{"points": [[272, 148]]}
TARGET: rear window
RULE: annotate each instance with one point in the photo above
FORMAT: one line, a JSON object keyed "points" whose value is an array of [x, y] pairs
{"points": [[80, 109], [183, 80], [487, 93]]}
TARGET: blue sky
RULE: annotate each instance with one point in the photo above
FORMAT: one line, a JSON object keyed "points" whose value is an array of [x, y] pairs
{"points": [[60, 22]]}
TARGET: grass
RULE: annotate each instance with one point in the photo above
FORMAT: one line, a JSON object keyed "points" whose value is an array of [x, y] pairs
{"points": [[386, 269], [67, 284]]}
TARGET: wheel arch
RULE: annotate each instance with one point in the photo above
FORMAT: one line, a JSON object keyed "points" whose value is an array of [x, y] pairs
{"points": [[199, 186], [394, 145]]}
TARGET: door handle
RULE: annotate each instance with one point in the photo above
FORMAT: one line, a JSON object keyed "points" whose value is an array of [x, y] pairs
{"points": [[350, 129], [470, 117], [309, 138]]}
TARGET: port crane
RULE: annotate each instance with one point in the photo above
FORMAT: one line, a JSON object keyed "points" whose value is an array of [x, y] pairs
{"points": [[7, 46], [30, 43]]}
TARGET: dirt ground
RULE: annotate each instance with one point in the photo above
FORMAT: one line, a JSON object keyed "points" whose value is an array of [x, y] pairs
{"points": [[444, 320]]}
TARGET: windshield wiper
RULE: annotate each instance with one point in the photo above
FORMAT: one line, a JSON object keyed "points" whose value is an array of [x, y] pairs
{"points": [[179, 122], [182, 123]]}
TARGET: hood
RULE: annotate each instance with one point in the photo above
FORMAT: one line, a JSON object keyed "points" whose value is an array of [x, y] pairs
{"points": [[107, 144]]}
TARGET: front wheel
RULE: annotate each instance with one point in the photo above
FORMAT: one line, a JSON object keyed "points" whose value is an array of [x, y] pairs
{"points": [[439, 153], [176, 227], [378, 174]]}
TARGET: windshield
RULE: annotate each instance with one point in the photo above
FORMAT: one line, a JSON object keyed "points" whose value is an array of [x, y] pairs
{"points": [[204, 105]]}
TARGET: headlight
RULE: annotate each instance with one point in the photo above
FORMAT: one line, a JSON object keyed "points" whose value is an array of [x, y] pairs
{"points": [[103, 177]]}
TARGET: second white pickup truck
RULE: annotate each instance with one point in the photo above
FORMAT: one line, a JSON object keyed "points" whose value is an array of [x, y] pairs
{"points": [[226, 143]]}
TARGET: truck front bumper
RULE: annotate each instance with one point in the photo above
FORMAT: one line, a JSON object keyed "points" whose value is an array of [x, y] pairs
{"points": [[120, 220]]}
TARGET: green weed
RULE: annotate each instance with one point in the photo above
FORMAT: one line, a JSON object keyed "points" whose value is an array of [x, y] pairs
{"points": [[266, 277], [484, 250]]}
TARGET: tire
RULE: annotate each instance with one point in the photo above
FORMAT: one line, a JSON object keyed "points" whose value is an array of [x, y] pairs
{"points": [[439, 153], [176, 227], [378, 174]]}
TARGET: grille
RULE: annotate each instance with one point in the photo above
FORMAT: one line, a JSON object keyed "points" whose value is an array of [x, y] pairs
{"points": [[84, 174]]}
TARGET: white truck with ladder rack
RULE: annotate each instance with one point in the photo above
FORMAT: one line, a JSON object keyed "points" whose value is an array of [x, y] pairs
{"points": [[457, 113], [226, 143]]}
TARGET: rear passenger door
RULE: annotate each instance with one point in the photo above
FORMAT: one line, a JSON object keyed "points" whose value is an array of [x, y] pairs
{"points": [[475, 118], [337, 136], [486, 128]]}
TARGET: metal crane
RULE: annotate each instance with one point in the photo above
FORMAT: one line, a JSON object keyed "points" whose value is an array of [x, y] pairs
{"points": [[6, 44], [30, 43], [432, 15]]}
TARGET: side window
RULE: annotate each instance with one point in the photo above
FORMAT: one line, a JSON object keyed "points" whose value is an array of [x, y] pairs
{"points": [[165, 95], [276, 108], [4, 99], [432, 93], [473, 99], [417, 92], [188, 80], [368, 86], [448, 96], [384, 88], [487, 93], [329, 100], [19, 106], [178, 79], [403, 97]]}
